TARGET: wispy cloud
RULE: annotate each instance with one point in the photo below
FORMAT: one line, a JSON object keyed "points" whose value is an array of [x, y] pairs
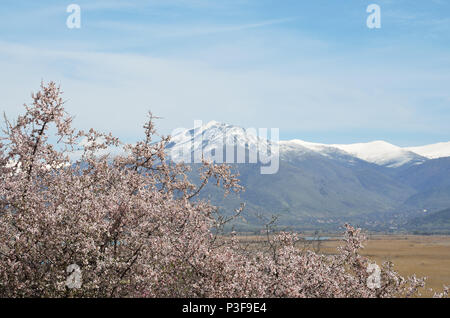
{"points": [[229, 28], [186, 30]]}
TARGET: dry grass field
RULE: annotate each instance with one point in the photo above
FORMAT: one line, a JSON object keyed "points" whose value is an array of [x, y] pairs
{"points": [[423, 255]]}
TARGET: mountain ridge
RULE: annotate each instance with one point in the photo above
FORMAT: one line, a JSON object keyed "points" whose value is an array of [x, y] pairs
{"points": [[378, 152], [320, 185]]}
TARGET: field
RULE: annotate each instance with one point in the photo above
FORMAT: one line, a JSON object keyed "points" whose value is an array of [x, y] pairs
{"points": [[423, 255]]}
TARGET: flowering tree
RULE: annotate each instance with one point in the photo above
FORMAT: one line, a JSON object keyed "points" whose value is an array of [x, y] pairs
{"points": [[132, 225]]}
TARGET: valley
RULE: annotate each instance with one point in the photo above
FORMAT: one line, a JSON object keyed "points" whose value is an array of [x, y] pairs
{"points": [[423, 255]]}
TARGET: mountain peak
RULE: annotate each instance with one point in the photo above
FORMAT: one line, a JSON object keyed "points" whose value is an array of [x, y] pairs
{"points": [[433, 151], [380, 152], [212, 124]]}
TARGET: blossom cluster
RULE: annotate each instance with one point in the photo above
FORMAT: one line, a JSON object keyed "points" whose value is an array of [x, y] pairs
{"points": [[134, 224]]}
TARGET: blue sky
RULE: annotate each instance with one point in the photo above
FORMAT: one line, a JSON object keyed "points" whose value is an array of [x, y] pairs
{"points": [[311, 68]]}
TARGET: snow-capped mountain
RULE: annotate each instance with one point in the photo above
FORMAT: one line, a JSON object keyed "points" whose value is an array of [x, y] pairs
{"points": [[209, 138], [323, 182], [433, 151], [382, 153], [378, 152], [212, 136]]}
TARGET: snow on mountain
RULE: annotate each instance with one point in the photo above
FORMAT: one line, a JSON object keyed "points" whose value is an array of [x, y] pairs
{"points": [[209, 138], [381, 153], [297, 147], [433, 151], [296, 144], [214, 135], [378, 152]]}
